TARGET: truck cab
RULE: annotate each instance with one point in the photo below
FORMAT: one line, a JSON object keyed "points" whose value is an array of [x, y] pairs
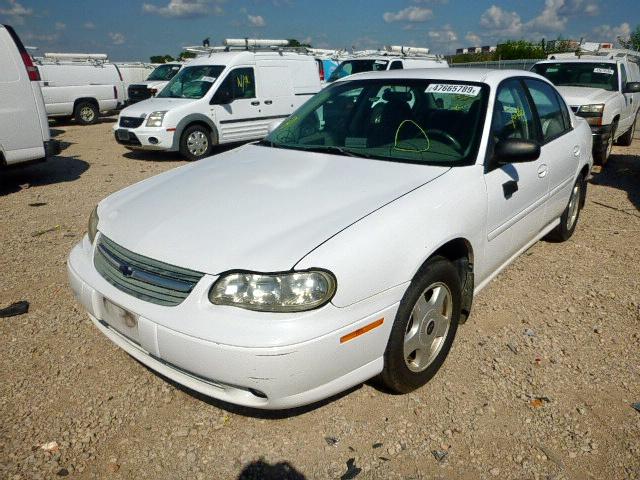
{"points": [[603, 89]]}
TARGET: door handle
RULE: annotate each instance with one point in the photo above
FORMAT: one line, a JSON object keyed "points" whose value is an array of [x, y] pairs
{"points": [[255, 103], [542, 171], [509, 188], [576, 151], [268, 102]]}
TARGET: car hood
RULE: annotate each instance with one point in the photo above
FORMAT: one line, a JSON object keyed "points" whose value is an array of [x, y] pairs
{"points": [[253, 208], [158, 84], [575, 96], [149, 105]]}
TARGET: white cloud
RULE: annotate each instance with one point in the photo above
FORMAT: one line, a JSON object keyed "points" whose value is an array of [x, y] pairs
{"points": [[500, 21], [608, 33], [43, 37], [117, 38], [445, 35], [89, 25], [409, 14], [473, 39], [550, 19], [16, 11], [184, 8], [256, 20], [60, 26]]}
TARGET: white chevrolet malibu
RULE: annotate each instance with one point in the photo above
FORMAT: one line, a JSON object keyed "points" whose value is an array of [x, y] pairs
{"points": [[347, 244]]}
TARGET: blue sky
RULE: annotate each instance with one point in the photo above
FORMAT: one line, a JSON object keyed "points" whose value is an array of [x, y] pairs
{"points": [[136, 29]]}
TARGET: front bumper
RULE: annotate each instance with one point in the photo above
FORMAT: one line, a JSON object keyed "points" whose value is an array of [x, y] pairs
{"points": [[601, 135], [296, 366], [145, 138]]}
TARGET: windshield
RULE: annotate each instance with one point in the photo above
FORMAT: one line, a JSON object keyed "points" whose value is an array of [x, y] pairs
{"points": [[421, 121], [580, 74], [164, 73], [192, 82], [349, 67]]}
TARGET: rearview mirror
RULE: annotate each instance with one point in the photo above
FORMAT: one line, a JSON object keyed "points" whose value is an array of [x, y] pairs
{"points": [[222, 97], [516, 150], [632, 87]]}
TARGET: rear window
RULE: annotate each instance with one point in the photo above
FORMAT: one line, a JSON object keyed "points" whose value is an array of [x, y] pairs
{"points": [[349, 67]]}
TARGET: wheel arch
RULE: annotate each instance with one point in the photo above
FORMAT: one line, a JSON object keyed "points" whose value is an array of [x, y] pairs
{"points": [[90, 100], [194, 119]]}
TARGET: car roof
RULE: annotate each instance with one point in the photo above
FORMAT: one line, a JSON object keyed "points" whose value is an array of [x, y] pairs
{"points": [[227, 58], [482, 75], [579, 60]]}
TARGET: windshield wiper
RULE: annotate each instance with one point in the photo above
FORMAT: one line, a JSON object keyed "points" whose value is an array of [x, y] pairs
{"points": [[336, 150]]}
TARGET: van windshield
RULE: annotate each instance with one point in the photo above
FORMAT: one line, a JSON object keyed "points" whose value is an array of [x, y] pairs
{"points": [[164, 73], [580, 74], [402, 120], [349, 67], [192, 82]]}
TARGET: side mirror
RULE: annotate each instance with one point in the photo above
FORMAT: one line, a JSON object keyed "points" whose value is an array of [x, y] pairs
{"points": [[222, 97], [632, 87], [516, 150], [273, 125]]}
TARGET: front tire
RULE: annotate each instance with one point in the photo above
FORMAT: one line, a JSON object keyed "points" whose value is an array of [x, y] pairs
{"points": [[424, 327], [569, 218], [195, 142], [602, 154], [86, 113]]}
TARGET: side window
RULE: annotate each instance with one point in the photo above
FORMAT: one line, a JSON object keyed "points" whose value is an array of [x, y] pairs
{"points": [[623, 76], [240, 83], [396, 65], [545, 99], [512, 115]]}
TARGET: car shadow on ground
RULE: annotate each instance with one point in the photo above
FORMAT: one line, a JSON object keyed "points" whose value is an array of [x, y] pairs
{"points": [[262, 470], [67, 122], [158, 156], [58, 169], [622, 172]]}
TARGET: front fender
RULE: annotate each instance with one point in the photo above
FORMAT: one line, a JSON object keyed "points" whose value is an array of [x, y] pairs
{"points": [[188, 120], [387, 247]]}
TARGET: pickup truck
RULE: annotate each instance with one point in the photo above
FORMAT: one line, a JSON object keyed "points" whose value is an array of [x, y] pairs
{"points": [[604, 91], [82, 102]]}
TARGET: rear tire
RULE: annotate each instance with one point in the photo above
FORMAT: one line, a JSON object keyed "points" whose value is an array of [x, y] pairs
{"points": [[569, 218], [195, 142], [86, 113], [627, 138], [424, 327]]}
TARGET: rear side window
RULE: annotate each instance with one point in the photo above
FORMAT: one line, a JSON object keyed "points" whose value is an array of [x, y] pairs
{"points": [[553, 121], [396, 65]]}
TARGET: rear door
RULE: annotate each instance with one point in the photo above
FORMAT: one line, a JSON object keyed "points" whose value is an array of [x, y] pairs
{"points": [[516, 192], [628, 110], [276, 90], [21, 137]]}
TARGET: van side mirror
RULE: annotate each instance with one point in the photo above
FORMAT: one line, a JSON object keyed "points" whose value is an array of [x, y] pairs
{"points": [[516, 150], [631, 87], [222, 97]]}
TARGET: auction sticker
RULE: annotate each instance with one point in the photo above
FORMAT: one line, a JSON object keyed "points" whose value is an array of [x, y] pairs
{"points": [[208, 79], [469, 90], [607, 71]]}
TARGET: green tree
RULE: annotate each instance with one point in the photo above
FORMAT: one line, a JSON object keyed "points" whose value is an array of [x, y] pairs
{"points": [[518, 50], [161, 58], [633, 42], [295, 43], [184, 55]]}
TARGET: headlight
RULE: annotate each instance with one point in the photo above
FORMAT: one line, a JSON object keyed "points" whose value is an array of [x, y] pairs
{"points": [[155, 119], [92, 229], [281, 292], [597, 108]]}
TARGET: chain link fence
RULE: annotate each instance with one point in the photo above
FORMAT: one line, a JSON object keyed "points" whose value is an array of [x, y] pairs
{"points": [[499, 64]]}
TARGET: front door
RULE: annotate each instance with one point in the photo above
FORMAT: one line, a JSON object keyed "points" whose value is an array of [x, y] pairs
{"points": [[516, 192], [237, 108]]}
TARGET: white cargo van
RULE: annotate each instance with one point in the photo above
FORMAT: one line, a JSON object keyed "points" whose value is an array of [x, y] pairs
{"points": [[24, 132], [156, 81], [604, 88], [221, 98], [80, 85], [393, 57], [134, 72]]}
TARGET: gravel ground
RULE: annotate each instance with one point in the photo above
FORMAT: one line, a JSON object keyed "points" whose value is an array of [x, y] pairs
{"points": [[539, 383]]}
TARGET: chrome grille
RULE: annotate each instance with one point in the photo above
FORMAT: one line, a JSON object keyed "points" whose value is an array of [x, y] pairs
{"points": [[131, 122], [143, 277]]}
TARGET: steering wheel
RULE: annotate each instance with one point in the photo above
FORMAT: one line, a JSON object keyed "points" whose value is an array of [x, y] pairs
{"points": [[441, 134]]}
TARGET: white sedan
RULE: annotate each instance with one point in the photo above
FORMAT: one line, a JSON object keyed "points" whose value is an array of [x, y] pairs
{"points": [[347, 244]]}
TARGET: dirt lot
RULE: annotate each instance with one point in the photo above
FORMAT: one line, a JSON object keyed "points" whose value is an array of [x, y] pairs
{"points": [[539, 383]]}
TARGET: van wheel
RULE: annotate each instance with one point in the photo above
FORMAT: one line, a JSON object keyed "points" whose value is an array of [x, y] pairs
{"points": [[195, 142], [569, 218], [424, 327], [86, 113], [626, 138]]}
